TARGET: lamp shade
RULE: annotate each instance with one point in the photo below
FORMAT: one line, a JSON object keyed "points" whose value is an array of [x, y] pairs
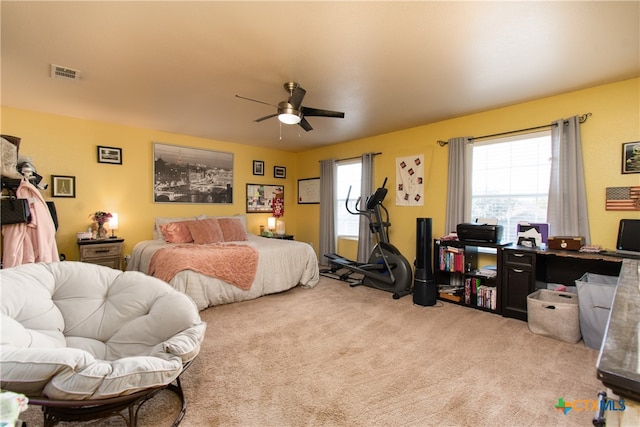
{"points": [[271, 223], [113, 221]]}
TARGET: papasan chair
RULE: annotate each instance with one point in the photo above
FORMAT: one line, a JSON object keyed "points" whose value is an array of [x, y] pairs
{"points": [[86, 341]]}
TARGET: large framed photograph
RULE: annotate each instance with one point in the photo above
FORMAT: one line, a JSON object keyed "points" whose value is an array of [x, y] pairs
{"points": [[63, 186], [191, 175], [309, 191], [111, 155], [631, 157], [260, 197]]}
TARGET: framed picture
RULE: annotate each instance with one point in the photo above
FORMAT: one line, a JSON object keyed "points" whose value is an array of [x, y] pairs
{"points": [[191, 175], [258, 167], [260, 197], [631, 157], [279, 172], [63, 186], [309, 191], [111, 155]]}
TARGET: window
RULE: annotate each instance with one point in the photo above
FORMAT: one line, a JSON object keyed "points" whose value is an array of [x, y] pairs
{"points": [[510, 180], [348, 174]]}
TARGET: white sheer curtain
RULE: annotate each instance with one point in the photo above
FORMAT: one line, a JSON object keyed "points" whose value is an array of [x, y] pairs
{"points": [[458, 183], [365, 237], [567, 209], [327, 241]]}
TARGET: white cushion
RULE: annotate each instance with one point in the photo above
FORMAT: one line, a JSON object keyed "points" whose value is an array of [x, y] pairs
{"points": [[75, 330]]}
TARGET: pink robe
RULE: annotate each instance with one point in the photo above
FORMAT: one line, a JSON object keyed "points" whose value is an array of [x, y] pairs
{"points": [[33, 242]]}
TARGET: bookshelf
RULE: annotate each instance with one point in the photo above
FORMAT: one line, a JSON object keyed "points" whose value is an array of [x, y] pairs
{"points": [[462, 279]]}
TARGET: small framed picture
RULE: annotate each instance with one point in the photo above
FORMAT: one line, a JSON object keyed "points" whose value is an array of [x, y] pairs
{"points": [[258, 167], [279, 172], [111, 155], [631, 157], [63, 186]]}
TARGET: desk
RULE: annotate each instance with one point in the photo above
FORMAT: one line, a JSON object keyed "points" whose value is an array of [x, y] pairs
{"points": [[523, 267]]}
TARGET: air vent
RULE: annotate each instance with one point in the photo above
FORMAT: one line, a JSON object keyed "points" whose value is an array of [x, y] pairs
{"points": [[64, 73]]}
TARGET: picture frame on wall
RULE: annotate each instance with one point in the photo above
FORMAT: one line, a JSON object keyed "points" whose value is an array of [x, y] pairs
{"points": [[260, 197], [309, 191], [631, 157], [63, 186], [258, 167], [111, 155], [279, 172], [191, 175]]}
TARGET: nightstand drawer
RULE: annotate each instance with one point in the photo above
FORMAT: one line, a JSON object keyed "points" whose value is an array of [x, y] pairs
{"points": [[100, 251], [107, 252]]}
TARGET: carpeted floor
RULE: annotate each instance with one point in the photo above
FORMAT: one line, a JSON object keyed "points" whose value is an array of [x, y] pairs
{"points": [[341, 356]]}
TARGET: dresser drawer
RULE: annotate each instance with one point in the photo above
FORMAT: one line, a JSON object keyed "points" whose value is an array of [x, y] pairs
{"points": [[100, 251], [519, 258]]}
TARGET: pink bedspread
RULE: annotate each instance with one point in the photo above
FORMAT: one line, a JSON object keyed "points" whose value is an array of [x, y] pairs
{"points": [[235, 264]]}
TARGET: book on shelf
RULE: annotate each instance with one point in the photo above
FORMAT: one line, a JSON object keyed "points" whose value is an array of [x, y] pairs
{"points": [[451, 259]]}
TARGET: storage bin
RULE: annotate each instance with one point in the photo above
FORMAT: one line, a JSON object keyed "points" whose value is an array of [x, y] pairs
{"points": [[554, 314], [595, 293]]}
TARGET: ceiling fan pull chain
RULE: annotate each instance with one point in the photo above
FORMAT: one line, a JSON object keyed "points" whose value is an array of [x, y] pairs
{"points": [[280, 131]]}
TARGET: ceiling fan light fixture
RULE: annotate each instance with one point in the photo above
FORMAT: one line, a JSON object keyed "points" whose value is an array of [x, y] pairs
{"points": [[289, 118], [288, 115]]}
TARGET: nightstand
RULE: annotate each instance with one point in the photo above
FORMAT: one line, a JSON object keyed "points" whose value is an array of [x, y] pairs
{"points": [[107, 252], [281, 236]]}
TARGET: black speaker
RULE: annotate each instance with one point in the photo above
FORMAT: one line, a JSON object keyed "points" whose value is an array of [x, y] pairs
{"points": [[424, 288]]}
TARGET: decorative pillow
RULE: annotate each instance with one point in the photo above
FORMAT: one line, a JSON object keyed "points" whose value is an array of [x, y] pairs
{"points": [[176, 232], [241, 217], [232, 229], [157, 233], [205, 231]]}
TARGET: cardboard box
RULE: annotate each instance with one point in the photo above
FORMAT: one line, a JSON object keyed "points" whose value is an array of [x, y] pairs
{"points": [[567, 243]]}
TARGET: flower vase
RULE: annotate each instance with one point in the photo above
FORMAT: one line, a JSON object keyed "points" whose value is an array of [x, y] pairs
{"points": [[102, 232]]}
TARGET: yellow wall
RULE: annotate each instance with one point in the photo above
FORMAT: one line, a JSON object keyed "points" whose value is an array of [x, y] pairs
{"points": [[61, 145], [67, 146], [615, 120]]}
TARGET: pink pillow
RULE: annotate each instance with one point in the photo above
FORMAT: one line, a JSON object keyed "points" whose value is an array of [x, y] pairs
{"points": [[232, 229], [176, 232], [205, 231]]}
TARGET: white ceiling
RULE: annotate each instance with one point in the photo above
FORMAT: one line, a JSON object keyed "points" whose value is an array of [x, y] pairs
{"points": [[176, 66]]}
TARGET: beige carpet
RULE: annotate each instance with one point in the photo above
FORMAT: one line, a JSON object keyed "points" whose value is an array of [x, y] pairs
{"points": [[341, 356]]}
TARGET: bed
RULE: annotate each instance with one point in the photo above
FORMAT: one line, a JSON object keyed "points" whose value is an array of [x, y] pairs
{"points": [[221, 264]]}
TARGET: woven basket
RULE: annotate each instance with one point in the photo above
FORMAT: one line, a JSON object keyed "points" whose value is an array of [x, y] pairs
{"points": [[554, 314]]}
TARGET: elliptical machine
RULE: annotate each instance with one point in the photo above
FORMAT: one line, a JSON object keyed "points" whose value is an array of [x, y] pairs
{"points": [[386, 268]]}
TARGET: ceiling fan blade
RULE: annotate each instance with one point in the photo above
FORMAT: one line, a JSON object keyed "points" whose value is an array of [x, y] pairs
{"points": [[308, 111], [265, 117], [296, 97], [255, 100], [304, 124]]}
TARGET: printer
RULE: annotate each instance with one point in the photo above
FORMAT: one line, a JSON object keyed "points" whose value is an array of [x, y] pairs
{"points": [[479, 232]]}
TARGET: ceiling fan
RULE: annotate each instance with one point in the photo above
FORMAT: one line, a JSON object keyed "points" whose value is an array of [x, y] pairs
{"points": [[292, 111]]}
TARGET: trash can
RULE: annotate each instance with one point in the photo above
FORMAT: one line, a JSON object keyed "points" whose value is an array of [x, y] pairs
{"points": [[554, 315], [595, 293]]}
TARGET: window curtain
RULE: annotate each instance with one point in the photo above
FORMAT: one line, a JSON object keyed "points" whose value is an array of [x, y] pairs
{"points": [[458, 183], [567, 209], [327, 241], [365, 237]]}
